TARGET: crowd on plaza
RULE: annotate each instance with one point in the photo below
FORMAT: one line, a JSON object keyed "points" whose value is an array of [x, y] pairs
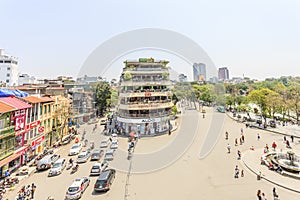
{"points": [[26, 192]]}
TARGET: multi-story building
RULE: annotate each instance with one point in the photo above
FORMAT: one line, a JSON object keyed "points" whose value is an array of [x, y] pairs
{"points": [[7, 136], [8, 69], [18, 120], [199, 71], [26, 79], [145, 104], [223, 74]]}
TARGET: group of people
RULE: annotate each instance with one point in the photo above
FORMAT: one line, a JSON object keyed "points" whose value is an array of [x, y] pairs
{"points": [[262, 196], [26, 192], [237, 172]]}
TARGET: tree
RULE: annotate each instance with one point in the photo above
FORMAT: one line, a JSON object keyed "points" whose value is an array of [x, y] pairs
{"points": [[259, 97], [103, 97]]}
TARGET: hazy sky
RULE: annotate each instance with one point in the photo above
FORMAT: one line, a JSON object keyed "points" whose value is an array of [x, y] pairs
{"points": [[258, 38]]}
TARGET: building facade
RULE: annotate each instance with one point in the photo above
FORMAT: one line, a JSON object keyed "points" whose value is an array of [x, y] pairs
{"points": [[144, 102], [223, 74], [8, 69], [199, 72]]}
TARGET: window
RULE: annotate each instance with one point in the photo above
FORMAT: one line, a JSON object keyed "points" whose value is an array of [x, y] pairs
{"points": [[2, 123], [8, 68], [7, 61], [7, 81]]}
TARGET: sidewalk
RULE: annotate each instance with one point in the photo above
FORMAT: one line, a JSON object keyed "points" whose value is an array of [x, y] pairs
{"points": [[287, 130], [251, 159]]}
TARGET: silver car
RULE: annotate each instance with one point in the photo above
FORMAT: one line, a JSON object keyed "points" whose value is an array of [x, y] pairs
{"points": [[47, 161], [83, 156], [57, 167], [104, 144], [109, 154]]}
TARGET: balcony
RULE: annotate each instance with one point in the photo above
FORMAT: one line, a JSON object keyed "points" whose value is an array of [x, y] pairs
{"points": [[142, 93], [144, 82]]}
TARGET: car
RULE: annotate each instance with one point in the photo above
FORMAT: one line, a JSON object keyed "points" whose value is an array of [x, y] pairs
{"points": [[109, 154], [105, 180], [46, 162], [98, 168], [75, 149], [104, 144], [97, 154], [114, 135], [77, 188], [57, 167], [83, 156], [103, 122], [114, 145]]}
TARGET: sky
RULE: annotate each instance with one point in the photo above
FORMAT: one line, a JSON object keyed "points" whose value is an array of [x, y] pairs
{"points": [[258, 38]]}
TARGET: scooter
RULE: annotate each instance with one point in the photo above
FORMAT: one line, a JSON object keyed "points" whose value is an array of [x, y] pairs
{"points": [[75, 168], [69, 166]]}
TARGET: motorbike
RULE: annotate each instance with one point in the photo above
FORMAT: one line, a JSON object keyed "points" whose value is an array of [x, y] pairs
{"points": [[75, 168], [69, 166]]}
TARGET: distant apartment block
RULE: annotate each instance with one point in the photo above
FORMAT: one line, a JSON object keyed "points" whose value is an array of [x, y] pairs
{"points": [[223, 74], [8, 69], [182, 78], [26, 79], [199, 71]]}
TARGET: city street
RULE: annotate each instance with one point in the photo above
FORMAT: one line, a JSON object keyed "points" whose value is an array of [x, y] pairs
{"points": [[174, 166]]}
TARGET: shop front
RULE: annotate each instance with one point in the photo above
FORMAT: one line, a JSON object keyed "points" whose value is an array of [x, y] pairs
{"points": [[37, 145], [10, 163], [23, 154], [149, 126]]}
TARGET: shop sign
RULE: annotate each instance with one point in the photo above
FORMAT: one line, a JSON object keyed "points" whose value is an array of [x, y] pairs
{"points": [[20, 122], [147, 120], [41, 129], [37, 141], [32, 125]]}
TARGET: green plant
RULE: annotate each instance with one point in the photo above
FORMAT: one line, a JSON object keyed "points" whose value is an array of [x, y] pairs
{"points": [[127, 76]]}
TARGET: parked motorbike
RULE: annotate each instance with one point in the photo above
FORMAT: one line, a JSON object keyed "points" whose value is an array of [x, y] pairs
{"points": [[75, 168]]}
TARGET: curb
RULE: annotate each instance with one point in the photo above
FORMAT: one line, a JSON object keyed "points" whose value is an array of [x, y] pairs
{"points": [[272, 131]]}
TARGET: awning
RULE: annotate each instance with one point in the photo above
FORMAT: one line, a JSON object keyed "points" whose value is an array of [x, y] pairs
{"points": [[9, 159]]}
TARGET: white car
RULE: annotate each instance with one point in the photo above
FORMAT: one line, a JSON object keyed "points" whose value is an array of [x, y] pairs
{"points": [[75, 149], [57, 167], [98, 168], [109, 154], [77, 188], [114, 145], [104, 144], [83, 156]]}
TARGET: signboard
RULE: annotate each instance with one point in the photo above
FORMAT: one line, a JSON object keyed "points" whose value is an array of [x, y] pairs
{"points": [[32, 125], [146, 120], [20, 122], [41, 129], [37, 141]]}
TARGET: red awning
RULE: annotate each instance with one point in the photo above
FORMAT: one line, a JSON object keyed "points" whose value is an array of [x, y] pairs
{"points": [[9, 159], [15, 102]]}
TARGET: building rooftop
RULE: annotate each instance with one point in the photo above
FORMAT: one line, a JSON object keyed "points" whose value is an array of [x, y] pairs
{"points": [[4, 108], [15, 102]]}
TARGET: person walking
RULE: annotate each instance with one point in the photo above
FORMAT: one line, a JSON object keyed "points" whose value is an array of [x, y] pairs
{"points": [[274, 192], [226, 135], [242, 173], [243, 138], [236, 141], [228, 148], [236, 172], [263, 197], [292, 138], [258, 136], [274, 145], [259, 195], [239, 154], [33, 188]]}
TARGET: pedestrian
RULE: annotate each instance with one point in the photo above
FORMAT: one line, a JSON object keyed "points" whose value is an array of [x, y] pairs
{"points": [[242, 131], [239, 154], [226, 135], [236, 172], [258, 136], [292, 138], [33, 188], [242, 173], [169, 131], [7, 173], [274, 192], [274, 145], [28, 191], [276, 198], [243, 138], [263, 197], [228, 148], [288, 144], [236, 141], [284, 139], [259, 195]]}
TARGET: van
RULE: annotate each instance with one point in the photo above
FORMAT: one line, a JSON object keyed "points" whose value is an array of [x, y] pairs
{"points": [[105, 180]]}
